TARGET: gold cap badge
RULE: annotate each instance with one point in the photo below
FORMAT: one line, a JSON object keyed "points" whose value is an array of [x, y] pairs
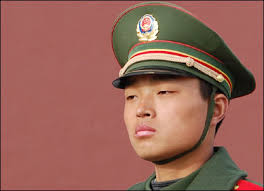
{"points": [[147, 28]]}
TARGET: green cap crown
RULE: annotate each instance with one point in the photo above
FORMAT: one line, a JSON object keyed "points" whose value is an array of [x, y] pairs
{"points": [[163, 38]]}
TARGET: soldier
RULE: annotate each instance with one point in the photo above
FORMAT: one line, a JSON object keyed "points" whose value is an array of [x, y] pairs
{"points": [[178, 76]]}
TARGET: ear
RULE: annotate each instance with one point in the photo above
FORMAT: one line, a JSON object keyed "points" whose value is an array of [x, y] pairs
{"points": [[221, 106]]}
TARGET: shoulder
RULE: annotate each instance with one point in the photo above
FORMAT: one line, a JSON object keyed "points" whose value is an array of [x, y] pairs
{"points": [[138, 186], [245, 184]]}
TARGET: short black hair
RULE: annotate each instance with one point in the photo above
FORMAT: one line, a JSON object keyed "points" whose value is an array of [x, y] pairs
{"points": [[206, 90]]}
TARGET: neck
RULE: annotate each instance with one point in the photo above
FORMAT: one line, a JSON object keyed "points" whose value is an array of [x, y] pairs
{"points": [[183, 166]]}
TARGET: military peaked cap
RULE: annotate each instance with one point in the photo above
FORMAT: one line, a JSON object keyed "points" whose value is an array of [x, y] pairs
{"points": [[163, 38]]}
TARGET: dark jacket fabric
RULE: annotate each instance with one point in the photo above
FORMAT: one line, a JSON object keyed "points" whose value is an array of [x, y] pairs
{"points": [[218, 173]]}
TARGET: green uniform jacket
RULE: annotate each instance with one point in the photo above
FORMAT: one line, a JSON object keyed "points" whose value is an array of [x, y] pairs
{"points": [[218, 173]]}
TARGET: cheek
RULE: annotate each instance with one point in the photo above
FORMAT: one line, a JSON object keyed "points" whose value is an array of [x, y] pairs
{"points": [[129, 114], [198, 112], [183, 119]]}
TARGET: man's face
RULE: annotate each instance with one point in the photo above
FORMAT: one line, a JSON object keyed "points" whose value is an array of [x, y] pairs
{"points": [[164, 116]]}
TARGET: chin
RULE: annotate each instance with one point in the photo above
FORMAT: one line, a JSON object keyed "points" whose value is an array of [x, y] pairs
{"points": [[152, 156]]}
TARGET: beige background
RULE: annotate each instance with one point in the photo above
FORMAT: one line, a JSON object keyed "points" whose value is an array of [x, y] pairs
{"points": [[62, 125]]}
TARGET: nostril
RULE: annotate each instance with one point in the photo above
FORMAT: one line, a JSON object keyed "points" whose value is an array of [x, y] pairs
{"points": [[144, 114], [147, 114]]}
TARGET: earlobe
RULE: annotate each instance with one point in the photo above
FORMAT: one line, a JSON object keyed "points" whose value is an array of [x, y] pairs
{"points": [[221, 106]]}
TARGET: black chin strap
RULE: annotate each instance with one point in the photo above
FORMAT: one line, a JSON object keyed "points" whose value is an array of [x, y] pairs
{"points": [[209, 116]]}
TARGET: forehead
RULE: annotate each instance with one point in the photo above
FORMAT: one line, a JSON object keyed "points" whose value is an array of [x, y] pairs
{"points": [[133, 80]]}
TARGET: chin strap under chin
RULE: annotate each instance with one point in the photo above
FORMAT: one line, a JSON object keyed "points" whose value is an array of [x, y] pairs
{"points": [[209, 116]]}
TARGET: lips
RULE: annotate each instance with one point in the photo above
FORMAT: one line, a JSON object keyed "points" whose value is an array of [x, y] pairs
{"points": [[144, 131]]}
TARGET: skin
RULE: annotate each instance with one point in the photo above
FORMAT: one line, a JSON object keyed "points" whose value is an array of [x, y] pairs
{"points": [[175, 109]]}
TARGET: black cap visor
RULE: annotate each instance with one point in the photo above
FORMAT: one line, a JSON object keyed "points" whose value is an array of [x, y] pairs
{"points": [[121, 82]]}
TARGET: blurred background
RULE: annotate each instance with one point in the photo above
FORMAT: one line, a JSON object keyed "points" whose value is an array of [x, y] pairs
{"points": [[62, 120]]}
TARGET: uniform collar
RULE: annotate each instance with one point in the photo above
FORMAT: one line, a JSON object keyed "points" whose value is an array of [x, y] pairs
{"points": [[218, 173]]}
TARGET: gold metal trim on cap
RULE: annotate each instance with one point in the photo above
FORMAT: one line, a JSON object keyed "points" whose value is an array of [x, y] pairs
{"points": [[220, 78], [190, 62]]}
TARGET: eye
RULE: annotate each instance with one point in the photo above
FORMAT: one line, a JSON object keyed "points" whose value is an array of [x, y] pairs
{"points": [[131, 97], [164, 92]]}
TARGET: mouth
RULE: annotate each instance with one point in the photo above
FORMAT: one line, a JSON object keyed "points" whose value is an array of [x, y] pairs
{"points": [[144, 131]]}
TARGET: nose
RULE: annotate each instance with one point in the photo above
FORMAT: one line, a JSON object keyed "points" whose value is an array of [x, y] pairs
{"points": [[145, 109]]}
